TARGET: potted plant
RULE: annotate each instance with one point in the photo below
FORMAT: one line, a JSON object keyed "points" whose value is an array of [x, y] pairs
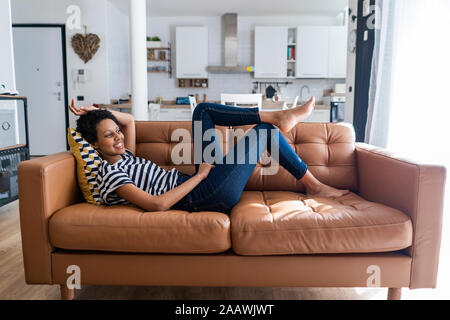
{"points": [[153, 42]]}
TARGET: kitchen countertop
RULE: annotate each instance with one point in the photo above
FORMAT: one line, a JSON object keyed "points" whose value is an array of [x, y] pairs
{"points": [[279, 104], [268, 105]]}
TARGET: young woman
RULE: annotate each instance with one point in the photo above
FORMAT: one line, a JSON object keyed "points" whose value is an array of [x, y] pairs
{"points": [[124, 178]]}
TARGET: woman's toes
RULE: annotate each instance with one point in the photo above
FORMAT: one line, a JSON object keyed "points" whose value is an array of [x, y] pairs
{"points": [[301, 113], [289, 118], [328, 192]]}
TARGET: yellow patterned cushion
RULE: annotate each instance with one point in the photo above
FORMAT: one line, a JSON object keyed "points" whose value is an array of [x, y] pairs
{"points": [[88, 163]]}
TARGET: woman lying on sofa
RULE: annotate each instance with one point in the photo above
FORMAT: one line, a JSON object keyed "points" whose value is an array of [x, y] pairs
{"points": [[124, 178]]}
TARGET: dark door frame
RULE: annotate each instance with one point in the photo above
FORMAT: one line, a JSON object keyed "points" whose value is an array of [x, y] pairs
{"points": [[363, 70], [62, 28]]}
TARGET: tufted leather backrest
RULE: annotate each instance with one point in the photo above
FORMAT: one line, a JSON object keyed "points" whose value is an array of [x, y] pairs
{"points": [[327, 148]]}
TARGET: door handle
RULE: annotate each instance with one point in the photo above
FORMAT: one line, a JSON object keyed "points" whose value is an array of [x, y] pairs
{"points": [[6, 125]]}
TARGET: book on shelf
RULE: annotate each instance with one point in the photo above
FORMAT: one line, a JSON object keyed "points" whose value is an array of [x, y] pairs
{"points": [[291, 53]]}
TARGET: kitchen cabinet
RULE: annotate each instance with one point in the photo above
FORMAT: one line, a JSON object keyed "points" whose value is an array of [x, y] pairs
{"points": [[319, 115], [183, 115], [165, 115], [337, 48], [321, 52], [271, 52], [312, 52], [191, 52], [175, 114]]}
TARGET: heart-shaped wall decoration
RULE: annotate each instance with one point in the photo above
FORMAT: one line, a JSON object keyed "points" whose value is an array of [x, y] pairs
{"points": [[85, 46]]}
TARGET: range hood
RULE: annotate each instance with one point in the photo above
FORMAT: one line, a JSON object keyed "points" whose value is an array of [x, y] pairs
{"points": [[230, 42]]}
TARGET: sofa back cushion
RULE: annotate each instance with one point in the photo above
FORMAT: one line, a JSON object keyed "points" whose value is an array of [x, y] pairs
{"points": [[327, 148]]}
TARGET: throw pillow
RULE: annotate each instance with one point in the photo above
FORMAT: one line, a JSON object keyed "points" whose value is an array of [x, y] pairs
{"points": [[88, 163]]}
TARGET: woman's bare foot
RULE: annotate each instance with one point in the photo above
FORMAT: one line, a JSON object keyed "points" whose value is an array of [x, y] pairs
{"points": [[322, 190], [289, 118], [317, 189]]}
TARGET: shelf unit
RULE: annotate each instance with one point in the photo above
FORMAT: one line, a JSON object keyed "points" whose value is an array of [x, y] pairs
{"points": [[291, 52], [154, 54], [193, 83], [10, 157]]}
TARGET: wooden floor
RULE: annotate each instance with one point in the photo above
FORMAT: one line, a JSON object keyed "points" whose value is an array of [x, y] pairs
{"points": [[13, 286]]}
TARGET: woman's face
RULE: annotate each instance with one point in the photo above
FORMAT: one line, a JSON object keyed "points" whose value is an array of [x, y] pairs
{"points": [[110, 139]]}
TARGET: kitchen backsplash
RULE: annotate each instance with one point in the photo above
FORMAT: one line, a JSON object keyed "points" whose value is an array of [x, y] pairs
{"points": [[162, 86]]}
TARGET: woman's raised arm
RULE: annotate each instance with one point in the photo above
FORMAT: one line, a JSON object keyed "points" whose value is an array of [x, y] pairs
{"points": [[126, 122]]}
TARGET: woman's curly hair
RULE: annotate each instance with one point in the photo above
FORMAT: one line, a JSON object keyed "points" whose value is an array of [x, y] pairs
{"points": [[87, 123]]}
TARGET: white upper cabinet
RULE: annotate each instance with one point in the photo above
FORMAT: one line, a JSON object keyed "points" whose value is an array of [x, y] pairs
{"points": [[312, 52], [271, 52], [321, 52], [337, 58], [191, 52]]}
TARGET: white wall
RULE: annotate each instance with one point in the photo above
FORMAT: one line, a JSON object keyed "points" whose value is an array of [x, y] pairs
{"points": [[118, 48], [7, 76], [164, 27], [93, 15], [109, 71], [6, 51]]}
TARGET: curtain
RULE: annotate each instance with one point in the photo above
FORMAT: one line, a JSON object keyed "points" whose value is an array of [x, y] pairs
{"points": [[377, 127], [409, 106]]}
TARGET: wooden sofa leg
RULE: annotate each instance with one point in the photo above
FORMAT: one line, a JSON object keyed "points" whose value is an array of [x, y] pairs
{"points": [[66, 293], [394, 294]]}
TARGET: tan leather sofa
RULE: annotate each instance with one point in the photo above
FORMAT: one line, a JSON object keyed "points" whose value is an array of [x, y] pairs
{"points": [[386, 233]]}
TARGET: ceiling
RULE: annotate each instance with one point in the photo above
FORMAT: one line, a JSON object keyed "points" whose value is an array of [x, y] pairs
{"points": [[244, 7]]}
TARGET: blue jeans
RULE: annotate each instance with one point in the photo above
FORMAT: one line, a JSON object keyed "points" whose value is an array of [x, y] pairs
{"points": [[221, 190]]}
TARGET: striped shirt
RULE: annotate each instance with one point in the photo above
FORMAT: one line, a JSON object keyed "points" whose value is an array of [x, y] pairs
{"points": [[143, 173]]}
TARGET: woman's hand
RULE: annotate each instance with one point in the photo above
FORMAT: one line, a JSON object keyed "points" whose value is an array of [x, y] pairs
{"points": [[204, 169], [80, 111]]}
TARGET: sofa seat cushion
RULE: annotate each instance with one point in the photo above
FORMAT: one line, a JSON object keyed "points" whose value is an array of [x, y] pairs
{"points": [[282, 222], [125, 228]]}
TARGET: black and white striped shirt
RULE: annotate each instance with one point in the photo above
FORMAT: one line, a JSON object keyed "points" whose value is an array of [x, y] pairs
{"points": [[141, 172]]}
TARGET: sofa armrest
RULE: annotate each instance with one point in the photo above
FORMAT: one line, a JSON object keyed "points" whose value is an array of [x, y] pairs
{"points": [[46, 184], [415, 189]]}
